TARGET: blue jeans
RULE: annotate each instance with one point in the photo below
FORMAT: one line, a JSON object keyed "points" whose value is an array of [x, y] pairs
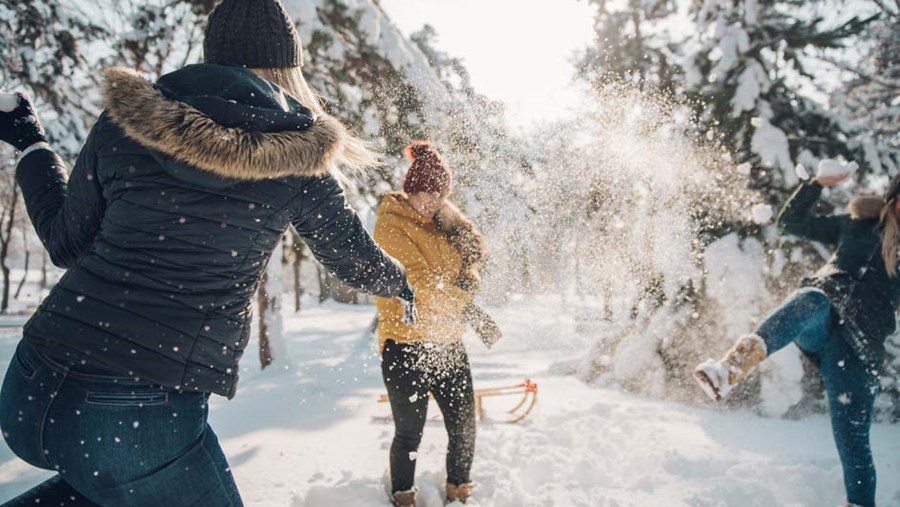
{"points": [[114, 442], [806, 319]]}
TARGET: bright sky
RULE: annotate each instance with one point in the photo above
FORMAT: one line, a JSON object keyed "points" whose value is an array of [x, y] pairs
{"points": [[517, 51]]}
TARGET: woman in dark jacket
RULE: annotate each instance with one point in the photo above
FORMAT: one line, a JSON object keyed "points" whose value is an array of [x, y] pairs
{"points": [[181, 192], [840, 319]]}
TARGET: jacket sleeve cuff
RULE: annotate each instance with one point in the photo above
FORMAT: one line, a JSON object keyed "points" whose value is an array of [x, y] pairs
{"points": [[33, 148]]}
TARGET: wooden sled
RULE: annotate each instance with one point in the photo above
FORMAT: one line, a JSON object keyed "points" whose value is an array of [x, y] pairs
{"points": [[527, 389]]}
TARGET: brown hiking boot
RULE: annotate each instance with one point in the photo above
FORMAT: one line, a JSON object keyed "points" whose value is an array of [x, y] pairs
{"points": [[459, 493], [404, 498], [718, 378]]}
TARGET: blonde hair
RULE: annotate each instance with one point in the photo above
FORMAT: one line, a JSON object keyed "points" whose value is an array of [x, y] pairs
{"points": [[890, 237], [357, 154]]}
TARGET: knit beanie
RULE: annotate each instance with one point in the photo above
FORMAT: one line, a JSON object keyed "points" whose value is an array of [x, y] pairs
{"points": [[428, 171], [252, 33]]}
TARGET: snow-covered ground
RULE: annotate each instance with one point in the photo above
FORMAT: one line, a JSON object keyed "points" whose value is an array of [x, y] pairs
{"points": [[311, 434]]}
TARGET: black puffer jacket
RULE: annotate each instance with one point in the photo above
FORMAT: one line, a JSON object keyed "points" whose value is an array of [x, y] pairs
{"points": [[864, 296], [168, 219]]}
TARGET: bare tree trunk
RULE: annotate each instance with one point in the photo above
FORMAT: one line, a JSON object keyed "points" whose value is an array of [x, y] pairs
{"points": [[4, 305], [324, 284], [24, 277], [9, 215], [296, 264], [44, 269], [265, 348], [298, 288], [24, 232]]}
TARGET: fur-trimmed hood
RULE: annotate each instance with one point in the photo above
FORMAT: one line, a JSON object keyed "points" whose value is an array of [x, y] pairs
{"points": [[466, 239], [223, 120], [865, 208]]}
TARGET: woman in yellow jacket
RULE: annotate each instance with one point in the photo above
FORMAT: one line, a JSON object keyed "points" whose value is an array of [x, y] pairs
{"points": [[442, 252]]}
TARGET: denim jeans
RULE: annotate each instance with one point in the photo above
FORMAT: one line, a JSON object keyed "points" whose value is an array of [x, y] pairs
{"points": [[114, 442], [411, 372], [807, 320]]}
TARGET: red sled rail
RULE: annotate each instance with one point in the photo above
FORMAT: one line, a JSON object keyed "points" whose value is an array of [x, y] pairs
{"points": [[527, 391]]}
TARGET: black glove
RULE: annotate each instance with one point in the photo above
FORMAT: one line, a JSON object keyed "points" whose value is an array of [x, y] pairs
{"points": [[408, 299], [19, 124], [485, 327]]}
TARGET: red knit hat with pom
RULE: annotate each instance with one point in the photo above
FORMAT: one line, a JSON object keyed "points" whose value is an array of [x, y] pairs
{"points": [[428, 172]]}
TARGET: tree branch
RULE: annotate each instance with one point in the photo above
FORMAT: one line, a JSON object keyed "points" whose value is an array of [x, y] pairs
{"points": [[887, 83], [882, 5]]}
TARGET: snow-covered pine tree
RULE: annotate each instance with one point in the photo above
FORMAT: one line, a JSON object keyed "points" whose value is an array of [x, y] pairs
{"points": [[634, 42], [871, 101], [55, 51], [450, 69], [392, 90], [41, 48], [755, 74]]}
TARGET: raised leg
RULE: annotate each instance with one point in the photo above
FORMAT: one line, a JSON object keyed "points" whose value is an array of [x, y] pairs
{"points": [[805, 318]]}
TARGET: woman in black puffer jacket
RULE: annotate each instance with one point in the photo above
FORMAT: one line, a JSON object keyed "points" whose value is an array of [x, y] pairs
{"points": [[181, 192]]}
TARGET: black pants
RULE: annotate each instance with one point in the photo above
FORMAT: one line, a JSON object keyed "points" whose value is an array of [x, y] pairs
{"points": [[411, 372]]}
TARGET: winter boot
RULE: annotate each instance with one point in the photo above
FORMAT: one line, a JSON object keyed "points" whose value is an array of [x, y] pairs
{"points": [[404, 498], [459, 493], [718, 378]]}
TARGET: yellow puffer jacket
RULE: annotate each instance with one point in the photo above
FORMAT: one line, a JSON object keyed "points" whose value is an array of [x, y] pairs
{"points": [[432, 268]]}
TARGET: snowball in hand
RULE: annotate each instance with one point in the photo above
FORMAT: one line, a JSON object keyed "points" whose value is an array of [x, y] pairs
{"points": [[762, 214], [801, 171], [830, 167], [8, 102]]}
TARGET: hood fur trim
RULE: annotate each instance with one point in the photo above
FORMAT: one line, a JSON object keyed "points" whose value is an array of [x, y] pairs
{"points": [[865, 208], [466, 239], [184, 133]]}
